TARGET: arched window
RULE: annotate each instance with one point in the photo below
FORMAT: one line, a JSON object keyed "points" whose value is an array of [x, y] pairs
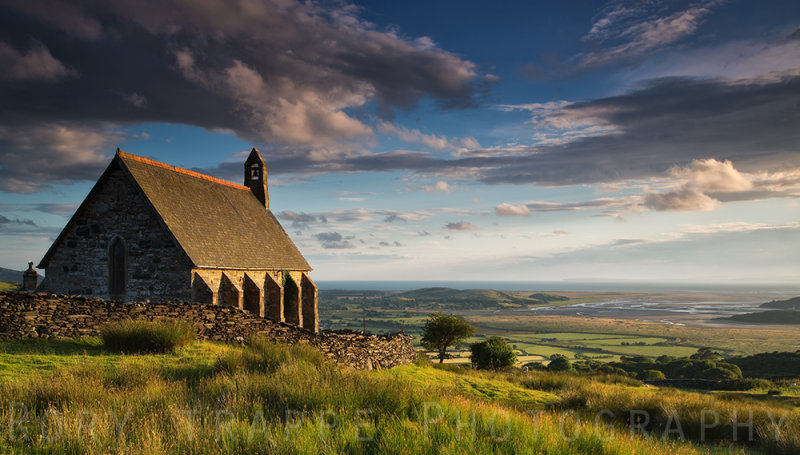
{"points": [[117, 268]]}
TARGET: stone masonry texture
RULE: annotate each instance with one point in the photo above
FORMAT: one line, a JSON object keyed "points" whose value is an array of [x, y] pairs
{"points": [[157, 267], [50, 316]]}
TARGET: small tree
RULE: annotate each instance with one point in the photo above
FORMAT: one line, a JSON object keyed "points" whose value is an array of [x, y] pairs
{"points": [[718, 374], [559, 362], [651, 375], [441, 331], [706, 354], [492, 354]]}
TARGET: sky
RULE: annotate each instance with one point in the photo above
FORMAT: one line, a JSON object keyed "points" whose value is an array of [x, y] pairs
{"points": [[649, 141]]}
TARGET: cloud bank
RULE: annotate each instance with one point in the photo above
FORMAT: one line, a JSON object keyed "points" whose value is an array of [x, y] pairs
{"points": [[284, 72]]}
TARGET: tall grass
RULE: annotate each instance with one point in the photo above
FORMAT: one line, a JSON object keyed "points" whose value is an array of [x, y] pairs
{"points": [[675, 413], [142, 336], [267, 398]]}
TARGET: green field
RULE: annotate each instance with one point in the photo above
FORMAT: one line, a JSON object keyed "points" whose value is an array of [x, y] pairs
{"points": [[22, 357], [728, 340], [595, 338]]}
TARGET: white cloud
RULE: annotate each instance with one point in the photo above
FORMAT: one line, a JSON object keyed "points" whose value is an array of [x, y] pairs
{"points": [[704, 184], [712, 175], [470, 143], [743, 61], [681, 199], [460, 226], [506, 209], [296, 115], [35, 64], [737, 226], [560, 122], [629, 203], [630, 33], [35, 156], [439, 187], [417, 136]]}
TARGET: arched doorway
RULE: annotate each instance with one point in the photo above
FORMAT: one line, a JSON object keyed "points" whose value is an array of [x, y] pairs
{"points": [[117, 268]]}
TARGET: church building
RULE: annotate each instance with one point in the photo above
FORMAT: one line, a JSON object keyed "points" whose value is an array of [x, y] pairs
{"points": [[152, 231]]}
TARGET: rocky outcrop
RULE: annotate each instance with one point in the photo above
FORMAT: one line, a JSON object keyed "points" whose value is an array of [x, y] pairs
{"points": [[27, 315]]}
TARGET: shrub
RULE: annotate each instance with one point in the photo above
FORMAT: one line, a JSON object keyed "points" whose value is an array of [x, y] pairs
{"points": [[534, 366], [492, 354], [652, 375], [559, 362], [745, 384], [422, 360], [718, 374], [139, 335]]}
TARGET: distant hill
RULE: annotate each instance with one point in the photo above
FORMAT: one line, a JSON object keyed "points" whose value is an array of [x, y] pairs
{"points": [[437, 298], [547, 298], [468, 298], [768, 317], [9, 275], [791, 304]]}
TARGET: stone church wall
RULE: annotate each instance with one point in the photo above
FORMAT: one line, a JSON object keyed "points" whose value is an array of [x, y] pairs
{"points": [[26, 315], [156, 266]]}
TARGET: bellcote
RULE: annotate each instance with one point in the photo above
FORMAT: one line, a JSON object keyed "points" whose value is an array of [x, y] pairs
{"points": [[255, 176]]}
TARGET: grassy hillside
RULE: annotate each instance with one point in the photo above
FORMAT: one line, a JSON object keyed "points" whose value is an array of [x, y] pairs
{"points": [[769, 317], [213, 398], [454, 298], [790, 304], [9, 275]]}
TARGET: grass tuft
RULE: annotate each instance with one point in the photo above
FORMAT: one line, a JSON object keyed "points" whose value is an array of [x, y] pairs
{"points": [[261, 355], [141, 336]]}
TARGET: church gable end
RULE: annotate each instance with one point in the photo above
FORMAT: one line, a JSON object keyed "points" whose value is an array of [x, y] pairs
{"points": [[116, 246]]}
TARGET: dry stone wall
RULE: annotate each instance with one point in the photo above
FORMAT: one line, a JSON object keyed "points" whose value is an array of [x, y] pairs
{"points": [[40, 315]]}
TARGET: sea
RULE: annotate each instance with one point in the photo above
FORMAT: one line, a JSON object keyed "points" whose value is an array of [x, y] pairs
{"points": [[777, 291]]}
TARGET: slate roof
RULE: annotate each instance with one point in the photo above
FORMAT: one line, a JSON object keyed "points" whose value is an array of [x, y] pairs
{"points": [[218, 224]]}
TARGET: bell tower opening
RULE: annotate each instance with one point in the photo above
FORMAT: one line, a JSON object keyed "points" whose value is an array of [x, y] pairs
{"points": [[255, 176], [255, 172]]}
